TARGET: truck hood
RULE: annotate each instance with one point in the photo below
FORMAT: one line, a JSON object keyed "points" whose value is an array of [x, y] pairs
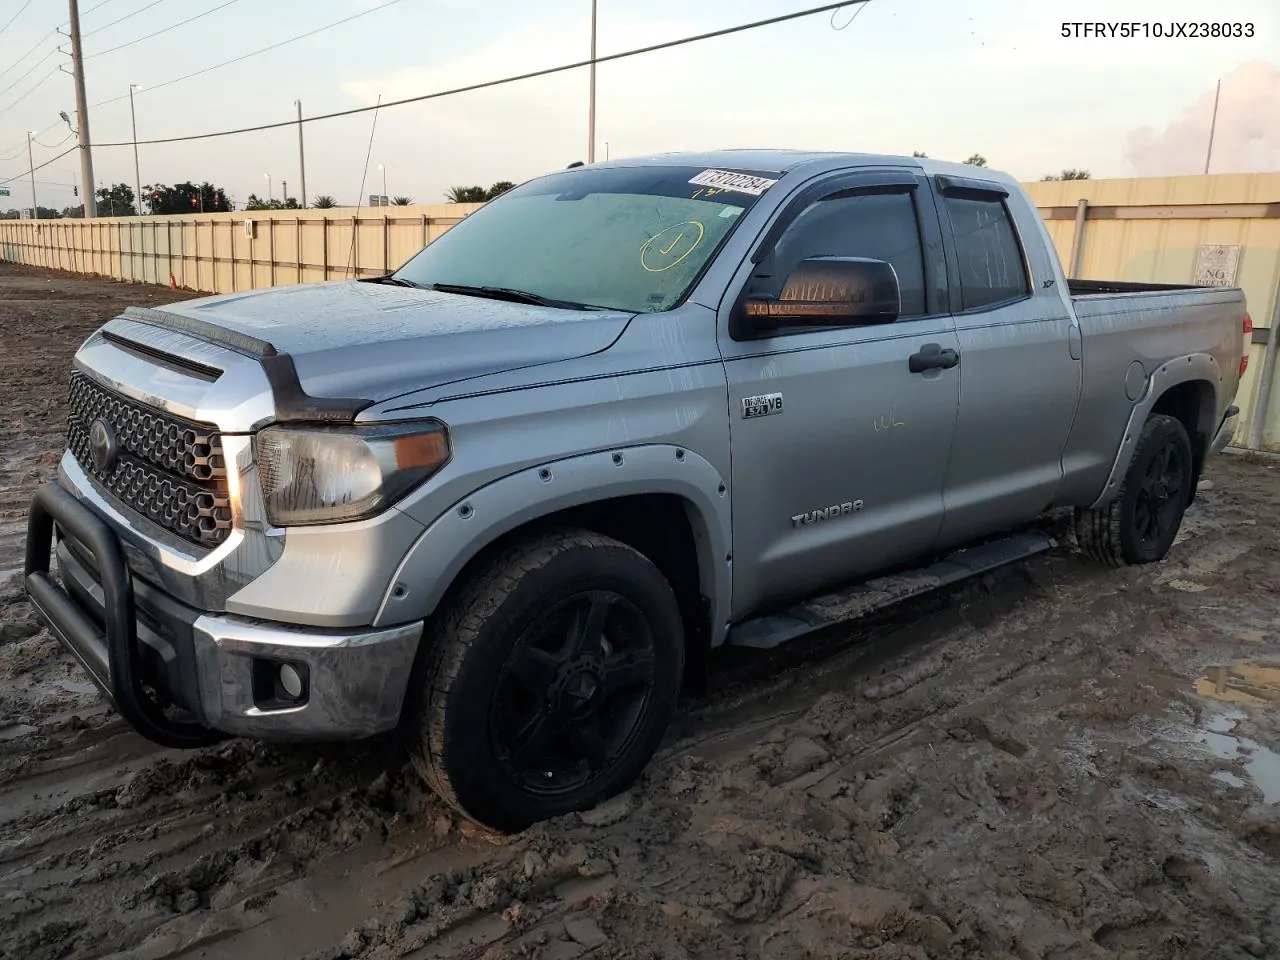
{"points": [[378, 341]]}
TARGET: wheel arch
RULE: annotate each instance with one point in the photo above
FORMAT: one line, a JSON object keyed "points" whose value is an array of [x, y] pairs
{"points": [[665, 501], [1185, 388]]}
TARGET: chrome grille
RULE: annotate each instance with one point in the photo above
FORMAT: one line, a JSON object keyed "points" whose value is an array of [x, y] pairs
{"points": [[170, 470]]}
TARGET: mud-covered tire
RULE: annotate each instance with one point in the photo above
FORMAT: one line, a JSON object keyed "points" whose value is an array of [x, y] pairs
{"points": [[479, 646], [1119, 533]]}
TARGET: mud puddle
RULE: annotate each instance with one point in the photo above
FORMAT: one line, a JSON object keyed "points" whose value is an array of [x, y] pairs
{"points": [[1242, 688]]}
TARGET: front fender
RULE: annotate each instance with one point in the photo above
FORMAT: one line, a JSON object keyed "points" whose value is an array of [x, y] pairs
{"points": [[456, 536], [1196, 366]]}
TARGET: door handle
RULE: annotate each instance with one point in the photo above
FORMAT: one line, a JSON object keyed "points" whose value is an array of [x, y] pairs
{"points": [[933, 357]]}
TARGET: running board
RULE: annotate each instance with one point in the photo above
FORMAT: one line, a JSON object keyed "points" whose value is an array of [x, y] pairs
{"points": [[857, 601]]}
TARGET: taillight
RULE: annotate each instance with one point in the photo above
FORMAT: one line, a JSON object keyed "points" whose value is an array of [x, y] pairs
{"points": [[1248, 335]]}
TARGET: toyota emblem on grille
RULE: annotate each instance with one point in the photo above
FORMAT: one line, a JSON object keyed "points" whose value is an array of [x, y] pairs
{"points": [[103, 446]]}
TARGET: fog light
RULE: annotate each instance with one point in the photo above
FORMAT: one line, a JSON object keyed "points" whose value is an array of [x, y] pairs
{"points": [[290, 681]]}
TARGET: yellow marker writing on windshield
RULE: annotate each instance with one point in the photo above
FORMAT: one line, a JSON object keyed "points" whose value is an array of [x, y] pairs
{"points": [[670, 246]]}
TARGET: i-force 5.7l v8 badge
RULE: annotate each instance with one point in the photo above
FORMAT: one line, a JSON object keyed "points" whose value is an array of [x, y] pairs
{"points": [[764, 405]]}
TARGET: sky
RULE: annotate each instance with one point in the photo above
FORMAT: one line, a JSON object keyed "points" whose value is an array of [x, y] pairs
{"points": [[948, 77]]}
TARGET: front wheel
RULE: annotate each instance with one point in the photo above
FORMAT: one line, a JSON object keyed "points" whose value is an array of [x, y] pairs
{"points": [[1140, 523], [550, 680]]}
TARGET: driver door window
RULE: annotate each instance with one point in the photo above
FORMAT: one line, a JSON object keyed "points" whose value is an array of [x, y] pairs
{"points": [[881, 226]]}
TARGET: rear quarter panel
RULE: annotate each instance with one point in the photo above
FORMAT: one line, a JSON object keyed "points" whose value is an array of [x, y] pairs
{"points": [[1171, 337]]}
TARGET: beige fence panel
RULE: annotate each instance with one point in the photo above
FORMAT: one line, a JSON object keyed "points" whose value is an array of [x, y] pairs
{"points": [[1137, 230], [1151, 230]]}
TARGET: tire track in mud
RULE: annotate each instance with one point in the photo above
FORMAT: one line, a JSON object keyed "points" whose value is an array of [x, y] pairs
{"points": [[755, 832], [982, 773]]}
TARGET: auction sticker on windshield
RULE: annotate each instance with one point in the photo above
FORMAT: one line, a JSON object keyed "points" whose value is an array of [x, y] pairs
{"points": [[728, 180]]}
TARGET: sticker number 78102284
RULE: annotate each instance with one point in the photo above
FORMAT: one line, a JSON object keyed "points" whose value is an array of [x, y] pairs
{"points": [[738, 182]]}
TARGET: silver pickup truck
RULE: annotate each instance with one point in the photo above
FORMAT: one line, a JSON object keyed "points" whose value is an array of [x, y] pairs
{"points": [[506, 499]]}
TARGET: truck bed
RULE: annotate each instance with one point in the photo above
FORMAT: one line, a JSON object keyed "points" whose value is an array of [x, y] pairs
{"points": [[1094, 288], [1125, 324]]}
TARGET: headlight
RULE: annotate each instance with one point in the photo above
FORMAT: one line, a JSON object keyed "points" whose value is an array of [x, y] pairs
{"points": [[321, 475]]}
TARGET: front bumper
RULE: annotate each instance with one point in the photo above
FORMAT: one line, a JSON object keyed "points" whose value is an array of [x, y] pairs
{"points": [[222, 671], [1226, 430]]}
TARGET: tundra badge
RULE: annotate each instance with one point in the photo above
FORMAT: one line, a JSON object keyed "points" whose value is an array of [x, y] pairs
{"points": [[827, 513], [764, 405]]}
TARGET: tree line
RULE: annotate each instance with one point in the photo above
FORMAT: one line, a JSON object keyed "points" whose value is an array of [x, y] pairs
{"points": [[978, 160], [119, 200]]}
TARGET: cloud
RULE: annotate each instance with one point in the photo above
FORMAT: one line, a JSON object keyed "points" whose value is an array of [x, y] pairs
{"points": [[1247, 138]]}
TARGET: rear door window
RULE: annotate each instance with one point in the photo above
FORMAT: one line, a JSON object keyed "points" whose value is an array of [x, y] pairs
{"points": [[990, 258]]}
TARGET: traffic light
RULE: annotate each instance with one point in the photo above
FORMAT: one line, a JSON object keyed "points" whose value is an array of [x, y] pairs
{"points": [[75, 190]]}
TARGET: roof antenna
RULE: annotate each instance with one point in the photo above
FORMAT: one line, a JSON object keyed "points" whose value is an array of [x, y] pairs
{"points": [[576, 163], [355, 226]]}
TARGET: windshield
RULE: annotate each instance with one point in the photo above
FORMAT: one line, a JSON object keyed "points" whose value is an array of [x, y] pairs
{"points": [[628, 238]]}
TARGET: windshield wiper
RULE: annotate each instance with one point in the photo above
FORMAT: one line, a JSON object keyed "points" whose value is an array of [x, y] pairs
{"points": [[394, 281], [510, 293]]}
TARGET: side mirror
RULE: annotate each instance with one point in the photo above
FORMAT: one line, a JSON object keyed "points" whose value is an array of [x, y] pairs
{"points": [[830, 292]]}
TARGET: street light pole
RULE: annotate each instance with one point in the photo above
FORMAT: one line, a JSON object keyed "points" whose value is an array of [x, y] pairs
{"points": [[302, 162], [133, 119], [35, 206], [384, 180], [591, 102], [1213, 126], [82, 110]]}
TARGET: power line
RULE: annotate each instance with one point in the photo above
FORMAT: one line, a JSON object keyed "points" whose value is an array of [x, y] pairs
{"points": [[175, 26], [39, 83], [41, 166], [726, 31], [91, 9], [127, 16], [857, 13], [53, 146], [34, 48], [547, 71], [21, 146], [30, 71], [274, 46], [15, 17], [51, 33]]}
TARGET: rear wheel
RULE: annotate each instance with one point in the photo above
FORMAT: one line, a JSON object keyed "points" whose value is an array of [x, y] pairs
{"points": [[1140, 523], [550, 680]]}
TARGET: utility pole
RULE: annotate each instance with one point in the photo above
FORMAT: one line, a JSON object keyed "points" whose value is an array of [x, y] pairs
{"points": [[302, 163], [31, 164], [1213, 125], [591, 102], [137, 177], [82, 110]]}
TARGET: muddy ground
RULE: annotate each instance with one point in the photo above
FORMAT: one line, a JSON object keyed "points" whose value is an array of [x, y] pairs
{"points": [[1061, 761]]}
